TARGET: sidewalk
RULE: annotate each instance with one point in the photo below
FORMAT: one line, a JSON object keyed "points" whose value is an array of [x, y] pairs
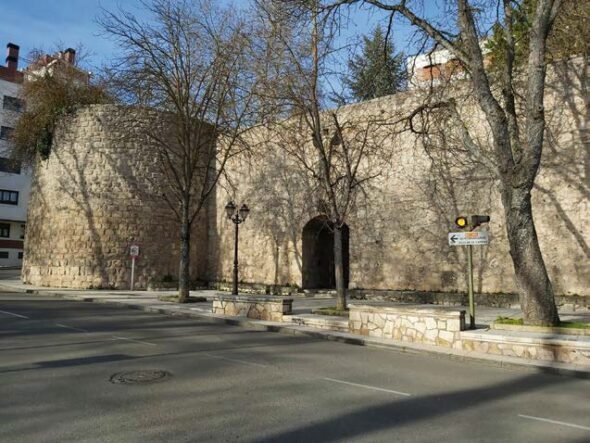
{"points": [[148, 301]]}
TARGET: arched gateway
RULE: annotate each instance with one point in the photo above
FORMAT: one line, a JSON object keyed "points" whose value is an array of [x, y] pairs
{"points": [[318, 254]]}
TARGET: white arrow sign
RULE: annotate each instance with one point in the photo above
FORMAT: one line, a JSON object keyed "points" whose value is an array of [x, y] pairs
{"points": [[474, 238]]}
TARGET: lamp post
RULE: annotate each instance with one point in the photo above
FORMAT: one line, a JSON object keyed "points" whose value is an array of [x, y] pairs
{"points": [[237, 217]]}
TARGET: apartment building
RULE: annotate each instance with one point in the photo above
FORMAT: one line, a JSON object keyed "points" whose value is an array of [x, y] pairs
{"points": [[437, 67], [15, 181]]}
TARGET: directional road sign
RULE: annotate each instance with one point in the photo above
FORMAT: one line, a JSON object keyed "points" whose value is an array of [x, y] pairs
{"points": [[476, 238]]}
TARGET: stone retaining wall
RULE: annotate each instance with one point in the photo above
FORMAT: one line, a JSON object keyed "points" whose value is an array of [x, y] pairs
{"points": [[260, 308], [439, 326], [445, 327], [551, 348], [497, 300]]}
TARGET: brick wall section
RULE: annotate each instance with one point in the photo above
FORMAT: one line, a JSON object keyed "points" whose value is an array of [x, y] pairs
{"points": [[96, 194]]}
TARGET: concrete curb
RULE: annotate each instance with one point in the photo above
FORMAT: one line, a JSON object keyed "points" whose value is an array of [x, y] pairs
{"points": [[320, 334]]}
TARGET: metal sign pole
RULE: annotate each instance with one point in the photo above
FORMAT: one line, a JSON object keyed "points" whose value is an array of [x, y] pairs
{"points": [[132, 270], [469, 239], [470, 286]]}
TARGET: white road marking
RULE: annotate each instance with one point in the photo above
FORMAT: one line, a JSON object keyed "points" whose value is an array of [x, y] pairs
{"points": [[13, 314], [71, 327], [235, 360], [115, 337], [555, 422], [374, 388]]}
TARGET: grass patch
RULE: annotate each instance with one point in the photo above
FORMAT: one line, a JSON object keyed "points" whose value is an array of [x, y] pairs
{"points": [[174, 299], [331, 310], [574, 324], [563, 324], [510, 321]]}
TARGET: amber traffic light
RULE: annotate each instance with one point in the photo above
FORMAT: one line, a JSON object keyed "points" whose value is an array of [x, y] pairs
{"points": [[461, 222], [472, 221]]}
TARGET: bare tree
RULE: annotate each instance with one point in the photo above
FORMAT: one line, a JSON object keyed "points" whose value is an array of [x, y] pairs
{"points": [[335, 149], [190, 63], [54, 86], [517, 123]]}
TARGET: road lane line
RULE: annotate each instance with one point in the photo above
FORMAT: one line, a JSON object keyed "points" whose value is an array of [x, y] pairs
{"points": [[555, 422], [374, 388], [116, 337], [235, 360], [70, 327], [13, 314]]}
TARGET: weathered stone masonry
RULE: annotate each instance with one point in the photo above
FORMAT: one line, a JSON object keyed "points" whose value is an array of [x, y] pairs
{"points": [[398, 238], [96, 194], [437, 326]]}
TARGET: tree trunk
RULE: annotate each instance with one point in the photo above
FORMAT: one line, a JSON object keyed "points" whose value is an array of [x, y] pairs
{"points": [[536, 293], [339, 269], [184, 271]]}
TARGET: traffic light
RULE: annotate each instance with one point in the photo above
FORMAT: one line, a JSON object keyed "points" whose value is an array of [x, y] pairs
{"points": [[476, 220], [472, 221], [461, 222]]}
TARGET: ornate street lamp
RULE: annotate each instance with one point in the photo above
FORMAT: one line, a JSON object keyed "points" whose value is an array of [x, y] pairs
{"points": [[237, 217]]}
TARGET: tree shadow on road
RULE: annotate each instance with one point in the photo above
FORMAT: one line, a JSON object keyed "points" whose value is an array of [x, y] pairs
{"points": [[398, 413]]}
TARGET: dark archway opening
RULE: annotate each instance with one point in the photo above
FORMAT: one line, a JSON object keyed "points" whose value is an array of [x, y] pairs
{"points": [[318, 254]]}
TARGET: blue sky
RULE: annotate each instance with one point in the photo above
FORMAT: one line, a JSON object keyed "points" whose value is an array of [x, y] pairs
{"points": [[47, 24]]}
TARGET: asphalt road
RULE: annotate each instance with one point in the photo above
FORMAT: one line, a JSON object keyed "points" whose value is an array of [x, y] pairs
{"points": [[234, 384]]}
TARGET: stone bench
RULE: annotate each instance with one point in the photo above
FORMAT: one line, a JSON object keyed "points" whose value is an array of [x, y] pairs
{"points": [[437, 326], [260, 307]]}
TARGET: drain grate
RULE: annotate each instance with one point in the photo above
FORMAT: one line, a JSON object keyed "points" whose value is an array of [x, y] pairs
{"points": [[141, 377]]}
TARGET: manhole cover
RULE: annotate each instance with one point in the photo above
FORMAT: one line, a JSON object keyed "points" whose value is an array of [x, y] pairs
{"points": [[141, 377]]}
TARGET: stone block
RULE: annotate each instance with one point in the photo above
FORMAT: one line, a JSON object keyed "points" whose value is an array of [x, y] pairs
{"points": [[430, 335], [354, 315], [430, 323], [420, 326], [447, 336], [518, 350], [388, 329], [379, 321], [441, 342], [453, 325]]}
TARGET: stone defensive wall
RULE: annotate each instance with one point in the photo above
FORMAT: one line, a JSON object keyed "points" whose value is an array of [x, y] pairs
{"points": [[99, 192], [397, 231]]}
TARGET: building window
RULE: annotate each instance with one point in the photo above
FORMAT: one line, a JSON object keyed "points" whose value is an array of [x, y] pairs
{"points": [[8, 197], [22, 231], [9, 165], [20, 255], [12, 104], [3, 254], [5, 230], [5, 132]]}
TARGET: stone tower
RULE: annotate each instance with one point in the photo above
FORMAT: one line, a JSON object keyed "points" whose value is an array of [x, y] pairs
{"points": [[98, 193]]}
